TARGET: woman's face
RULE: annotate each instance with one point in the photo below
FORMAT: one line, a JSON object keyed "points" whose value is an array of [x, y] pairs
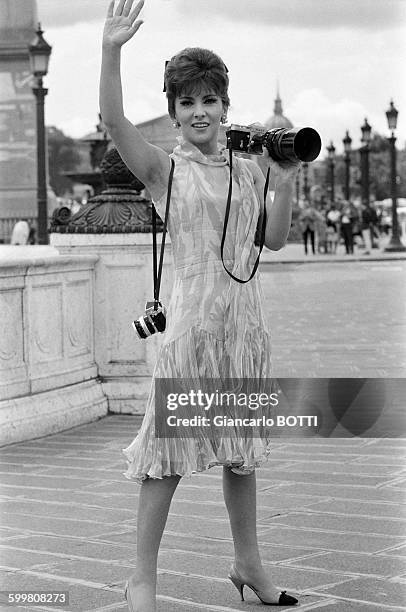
{"points": [[199, 116]]}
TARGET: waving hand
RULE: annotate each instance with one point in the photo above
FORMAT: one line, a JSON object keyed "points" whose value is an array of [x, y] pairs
{"points": [[122, 24]]}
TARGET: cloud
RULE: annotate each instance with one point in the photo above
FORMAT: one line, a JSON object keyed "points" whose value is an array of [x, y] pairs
{"points": [[59, 13], [332, 117], [316, 14], [329, 79]]}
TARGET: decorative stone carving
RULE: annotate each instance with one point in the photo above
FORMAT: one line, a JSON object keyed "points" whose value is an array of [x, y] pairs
{"points": [[78, 318], [118, 209], [46, 326], [11, 346]]}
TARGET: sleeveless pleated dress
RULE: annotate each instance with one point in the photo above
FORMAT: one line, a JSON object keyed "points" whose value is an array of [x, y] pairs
{"points": [[216, 327]]}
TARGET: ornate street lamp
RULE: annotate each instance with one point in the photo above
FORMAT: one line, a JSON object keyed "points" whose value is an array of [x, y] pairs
{"points": [[40, 52], [331, 150], [347, 158], [395, 243], [364, 151]]}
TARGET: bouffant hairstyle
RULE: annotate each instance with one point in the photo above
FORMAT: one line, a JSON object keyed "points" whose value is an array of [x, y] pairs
{"points": [[193, 69]]}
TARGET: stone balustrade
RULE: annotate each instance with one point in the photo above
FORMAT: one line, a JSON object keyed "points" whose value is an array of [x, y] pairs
{"points": [[48, 372], [68, 352]]}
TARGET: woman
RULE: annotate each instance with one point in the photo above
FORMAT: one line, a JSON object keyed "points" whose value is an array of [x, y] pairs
{"points": [[347, 228], [215, 325], [308, 222]]}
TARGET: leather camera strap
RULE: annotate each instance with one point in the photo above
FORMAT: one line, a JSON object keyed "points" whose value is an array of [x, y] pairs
{"points": [[230, 190], [157, 275]]}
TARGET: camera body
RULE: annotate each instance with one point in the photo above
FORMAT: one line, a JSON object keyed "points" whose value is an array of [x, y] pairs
{"points": [[154, 320], [283, 144]]}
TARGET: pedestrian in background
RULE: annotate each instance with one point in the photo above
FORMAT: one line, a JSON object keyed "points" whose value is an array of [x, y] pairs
{"points": [[347, 227], [366, 225], [333, 214], [21, 231], [321, 233], [374, 228], [332, 237], [307, 222], [31, 236]]}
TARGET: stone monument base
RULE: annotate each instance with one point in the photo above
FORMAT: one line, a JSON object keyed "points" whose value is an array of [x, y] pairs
{"points": [[123, 283], [42, 414]]}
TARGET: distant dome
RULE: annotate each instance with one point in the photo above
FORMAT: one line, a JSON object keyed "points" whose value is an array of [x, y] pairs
{"points": [[278, 119]]}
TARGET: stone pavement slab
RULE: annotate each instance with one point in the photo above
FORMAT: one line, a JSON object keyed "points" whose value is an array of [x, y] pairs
{"points": [[331, 524], [337, 319]]}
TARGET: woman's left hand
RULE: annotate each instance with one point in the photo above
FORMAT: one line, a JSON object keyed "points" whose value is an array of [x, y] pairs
{"points": [[284, 171]]}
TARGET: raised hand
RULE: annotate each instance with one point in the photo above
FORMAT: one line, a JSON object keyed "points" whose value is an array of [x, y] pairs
{"points": [[122, 24]]}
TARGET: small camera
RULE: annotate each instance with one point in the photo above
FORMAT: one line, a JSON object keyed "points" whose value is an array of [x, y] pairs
{"points": [[154, 320], [283, 144]]}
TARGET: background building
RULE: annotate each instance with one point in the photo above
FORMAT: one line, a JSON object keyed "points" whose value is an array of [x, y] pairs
{"points": [[18, 180]]}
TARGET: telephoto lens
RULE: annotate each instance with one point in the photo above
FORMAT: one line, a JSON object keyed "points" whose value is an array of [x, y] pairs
{"points": [[293, 144], [283, 144]]}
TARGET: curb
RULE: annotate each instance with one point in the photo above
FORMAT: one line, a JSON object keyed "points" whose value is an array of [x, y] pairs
{"points": [[364, 259]]}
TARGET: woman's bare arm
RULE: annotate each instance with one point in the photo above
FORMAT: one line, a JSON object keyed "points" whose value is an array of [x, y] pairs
{"points": [[279, 212], [148, 162]]}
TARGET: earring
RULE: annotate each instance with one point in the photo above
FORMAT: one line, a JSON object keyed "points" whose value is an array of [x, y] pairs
{"points": [[223, 118], [176, 123]]}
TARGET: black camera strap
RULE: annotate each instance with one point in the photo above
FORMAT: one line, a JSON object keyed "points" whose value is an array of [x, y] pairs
{"points": [[157, 275], [262, 240]]}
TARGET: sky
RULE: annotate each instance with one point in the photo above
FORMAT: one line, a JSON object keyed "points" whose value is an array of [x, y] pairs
{"points": [[337, 61]]}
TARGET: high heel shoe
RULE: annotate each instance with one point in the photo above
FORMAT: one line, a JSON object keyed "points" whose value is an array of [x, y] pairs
{"points": [[239, 583]]}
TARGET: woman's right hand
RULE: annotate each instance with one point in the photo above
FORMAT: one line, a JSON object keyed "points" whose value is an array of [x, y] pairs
{"points": [[122, 24]]}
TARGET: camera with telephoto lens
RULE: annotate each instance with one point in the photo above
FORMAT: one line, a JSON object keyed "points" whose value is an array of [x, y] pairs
{"points": [[154, 320], [283, 144]]}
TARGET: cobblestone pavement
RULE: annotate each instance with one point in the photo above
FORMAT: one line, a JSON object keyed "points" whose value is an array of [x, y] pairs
{"points": [[331, 512], [337, 319], [331, 524]]}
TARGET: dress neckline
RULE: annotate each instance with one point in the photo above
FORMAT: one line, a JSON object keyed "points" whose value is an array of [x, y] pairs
{"points": [[187, 150]]}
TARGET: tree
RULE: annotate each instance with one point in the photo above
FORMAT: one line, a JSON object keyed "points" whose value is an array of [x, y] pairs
{"points": [[380, 168], [63, 156]]}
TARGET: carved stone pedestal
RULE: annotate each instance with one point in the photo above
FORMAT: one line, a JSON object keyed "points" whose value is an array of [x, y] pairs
{"points": [[123, 283]]}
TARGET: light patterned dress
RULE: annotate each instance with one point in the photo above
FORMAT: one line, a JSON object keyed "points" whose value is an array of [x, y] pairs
{"points": [[215, 326]]}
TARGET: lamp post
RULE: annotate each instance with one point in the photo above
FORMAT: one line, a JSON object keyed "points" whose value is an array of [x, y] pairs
{"points": [[39, 52], [347, 158], [364, 151], [395, 243], [331, 155]]}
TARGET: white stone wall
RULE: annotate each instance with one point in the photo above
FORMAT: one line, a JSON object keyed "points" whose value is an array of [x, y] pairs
{"points": [[123, 284], [48, 372], [68, 352]]}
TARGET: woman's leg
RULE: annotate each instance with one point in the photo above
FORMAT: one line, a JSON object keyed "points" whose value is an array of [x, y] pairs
{"points": [[153, 507], [345, 230], [240, 498], [312, 240], [304, 235], [351, 240]]}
